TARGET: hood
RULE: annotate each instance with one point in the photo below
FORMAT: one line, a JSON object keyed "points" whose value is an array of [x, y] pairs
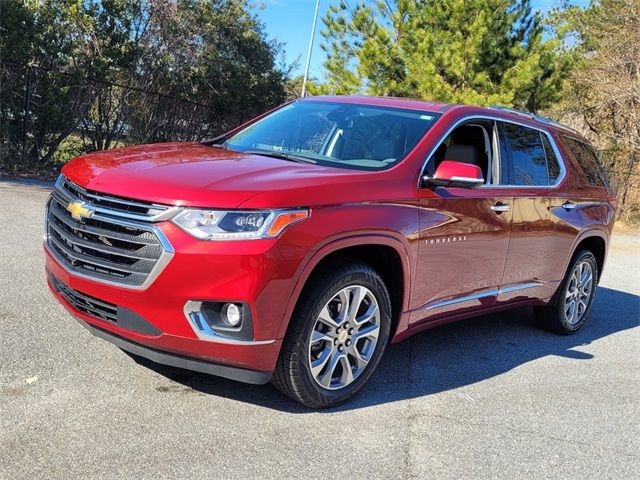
{"points": [[192, 174]]}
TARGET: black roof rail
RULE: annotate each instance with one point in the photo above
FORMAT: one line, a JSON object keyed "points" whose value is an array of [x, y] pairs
{"points": [[532, 116], [513, 110]]}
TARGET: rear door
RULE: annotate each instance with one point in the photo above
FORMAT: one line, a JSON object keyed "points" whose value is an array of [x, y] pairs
{"points": [[541, 234], [590, 203]]}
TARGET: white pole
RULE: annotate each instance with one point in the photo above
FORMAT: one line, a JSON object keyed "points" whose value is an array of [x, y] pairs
{"points": [[306, 68]]}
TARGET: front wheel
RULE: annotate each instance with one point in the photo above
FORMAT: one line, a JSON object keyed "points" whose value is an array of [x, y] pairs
{"points": [[575, 296], [337, 336]]}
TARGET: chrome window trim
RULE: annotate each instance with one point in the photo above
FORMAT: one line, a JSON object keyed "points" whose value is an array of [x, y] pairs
{"points": [[497, 118], [168, 213], [162, 262], [488, 293], [488, 148], [544, 150], [495, 144]]}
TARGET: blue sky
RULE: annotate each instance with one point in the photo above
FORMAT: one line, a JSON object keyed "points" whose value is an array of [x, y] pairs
{"points": [[290, 22]]}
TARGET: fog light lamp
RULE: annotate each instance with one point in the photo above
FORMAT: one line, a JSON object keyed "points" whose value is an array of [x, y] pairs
{"points": [[231, 314]]}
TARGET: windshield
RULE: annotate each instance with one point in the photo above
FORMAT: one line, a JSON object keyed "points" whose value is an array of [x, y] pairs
{"points": [[337, 134]]}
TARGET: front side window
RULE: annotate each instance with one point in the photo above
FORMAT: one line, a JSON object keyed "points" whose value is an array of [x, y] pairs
{"points": [[524, 154], [470, 143], [337, 134], [588, 161]]}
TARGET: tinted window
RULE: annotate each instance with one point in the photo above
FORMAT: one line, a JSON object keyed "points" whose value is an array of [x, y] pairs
{"points": [[588, 160], [337, 134], [552, 161], [505, 170], [525, 154]]}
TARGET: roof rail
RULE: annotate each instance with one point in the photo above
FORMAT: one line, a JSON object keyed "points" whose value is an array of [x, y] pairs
{"points": [[531, 116], [513, 110]]}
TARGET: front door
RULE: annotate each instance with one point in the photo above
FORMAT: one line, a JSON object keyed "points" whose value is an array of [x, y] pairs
{"points": [[464, 238], [464, 233]]}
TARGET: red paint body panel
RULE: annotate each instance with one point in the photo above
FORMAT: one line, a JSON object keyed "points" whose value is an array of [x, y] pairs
{"points": [[449, 169], [450, 242], [462, 250]]}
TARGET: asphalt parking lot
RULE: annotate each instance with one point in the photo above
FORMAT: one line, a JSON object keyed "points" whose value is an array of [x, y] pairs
{"points": [[492, 397]]}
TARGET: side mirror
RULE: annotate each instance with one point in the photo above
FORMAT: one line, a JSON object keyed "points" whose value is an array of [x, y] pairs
{"points": [[455, 174]]}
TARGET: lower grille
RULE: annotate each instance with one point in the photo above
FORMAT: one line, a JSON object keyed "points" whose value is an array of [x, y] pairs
{"points": [[85, 303], [107, 249], [103, 310]]}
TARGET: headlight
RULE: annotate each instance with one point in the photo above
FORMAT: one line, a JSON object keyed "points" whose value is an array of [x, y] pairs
{"points": [[236, 224]]}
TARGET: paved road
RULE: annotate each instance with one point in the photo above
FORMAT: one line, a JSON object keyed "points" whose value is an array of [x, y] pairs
{"points": [[487, 398]]}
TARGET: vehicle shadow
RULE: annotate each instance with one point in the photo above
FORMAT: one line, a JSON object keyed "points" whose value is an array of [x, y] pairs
{"points": [[445, 357]]}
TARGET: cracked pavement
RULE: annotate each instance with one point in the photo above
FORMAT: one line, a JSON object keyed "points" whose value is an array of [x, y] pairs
{"points": [[492, 397]]}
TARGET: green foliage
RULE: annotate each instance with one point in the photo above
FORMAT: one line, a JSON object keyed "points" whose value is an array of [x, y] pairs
{"points": [[36, 118], [70, 147], [293, 87], [211, 52], [602, 94], [466, 51], [113, 71]]}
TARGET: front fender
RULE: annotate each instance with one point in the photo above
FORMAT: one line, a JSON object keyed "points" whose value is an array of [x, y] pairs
{"points": [[332, 245]]}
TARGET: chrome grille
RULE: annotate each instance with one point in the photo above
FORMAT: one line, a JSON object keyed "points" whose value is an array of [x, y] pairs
{"points": [[104, 246], [114, 205]]}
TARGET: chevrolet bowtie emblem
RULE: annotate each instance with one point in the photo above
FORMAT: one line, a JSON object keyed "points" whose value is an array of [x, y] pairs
{"points": [[78, 210]]}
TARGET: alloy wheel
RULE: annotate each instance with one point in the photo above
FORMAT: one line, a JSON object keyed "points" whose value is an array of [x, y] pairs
{"points": [[579, 292], [344, 337]]}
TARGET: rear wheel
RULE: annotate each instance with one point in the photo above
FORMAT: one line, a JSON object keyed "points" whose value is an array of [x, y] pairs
{"points": [[575, 296], [337, 336]]}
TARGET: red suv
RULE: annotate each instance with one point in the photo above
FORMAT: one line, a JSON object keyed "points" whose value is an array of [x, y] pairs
{"points": [[295, 247]]}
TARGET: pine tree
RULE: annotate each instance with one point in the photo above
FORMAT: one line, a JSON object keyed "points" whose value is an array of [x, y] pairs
{"points": [[467, 51]]}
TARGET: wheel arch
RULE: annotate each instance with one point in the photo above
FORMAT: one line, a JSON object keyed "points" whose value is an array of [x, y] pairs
{"points": [[596, 241], [373, 249]]}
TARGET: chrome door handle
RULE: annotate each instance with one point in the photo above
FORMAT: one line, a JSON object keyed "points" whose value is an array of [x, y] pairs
{"points": [[569, 206], [500, 207]]}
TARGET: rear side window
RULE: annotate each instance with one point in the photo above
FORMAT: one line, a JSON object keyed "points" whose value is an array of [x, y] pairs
{"points": [[588, 161], [553, 166], [525, 155]]}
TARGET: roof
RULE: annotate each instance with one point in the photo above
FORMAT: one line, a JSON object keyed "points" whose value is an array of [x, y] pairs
{"points": [[397, 102], [429, 106]]}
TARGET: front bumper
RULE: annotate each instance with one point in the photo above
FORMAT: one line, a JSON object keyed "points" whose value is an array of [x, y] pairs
{"points": [[164, 358], [257, 273]]}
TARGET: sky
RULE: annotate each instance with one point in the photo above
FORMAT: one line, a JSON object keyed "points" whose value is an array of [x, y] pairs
{"points": [[289, 21]]}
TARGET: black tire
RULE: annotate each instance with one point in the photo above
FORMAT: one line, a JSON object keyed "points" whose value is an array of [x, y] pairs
{"points": [[292, 375], [554, 317]]}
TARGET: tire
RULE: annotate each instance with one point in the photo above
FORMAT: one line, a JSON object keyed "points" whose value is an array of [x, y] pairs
{"points": [[316, 372], [561, 318]]}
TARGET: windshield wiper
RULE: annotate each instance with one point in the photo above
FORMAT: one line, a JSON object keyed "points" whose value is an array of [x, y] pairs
{"points": [[282, 155], [217, 142]]}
